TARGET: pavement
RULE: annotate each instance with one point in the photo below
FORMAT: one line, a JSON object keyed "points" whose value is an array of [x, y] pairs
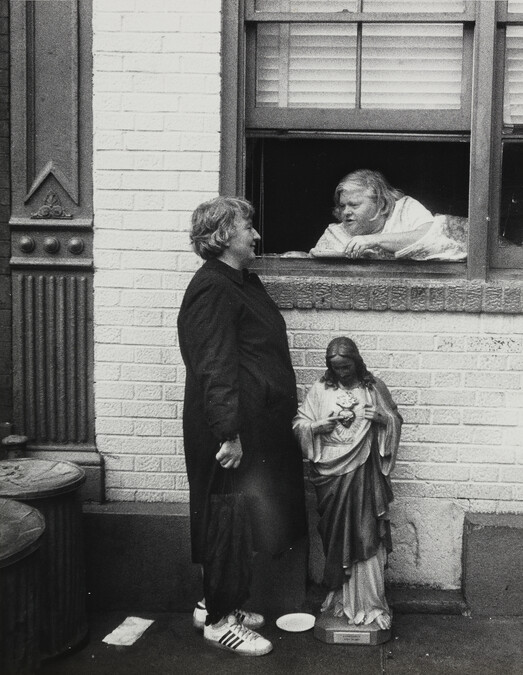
{"points": [[424, 644]]}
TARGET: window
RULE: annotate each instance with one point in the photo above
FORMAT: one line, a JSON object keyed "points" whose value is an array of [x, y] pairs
{"points": [[429, 93], [507, 237], [291, 180]]}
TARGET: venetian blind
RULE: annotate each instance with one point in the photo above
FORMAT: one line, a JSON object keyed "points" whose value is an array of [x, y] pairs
{"points": [[411, 6], [412, 66], [306, 65], [401, 6], [305, 5], [513, 93], [403, 66]]}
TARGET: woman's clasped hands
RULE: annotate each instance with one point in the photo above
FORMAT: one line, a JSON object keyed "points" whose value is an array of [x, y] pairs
{"points": [[361, 243]]}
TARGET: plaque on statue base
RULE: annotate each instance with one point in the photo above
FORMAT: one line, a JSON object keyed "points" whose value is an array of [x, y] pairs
{"points": [[336, 630]]}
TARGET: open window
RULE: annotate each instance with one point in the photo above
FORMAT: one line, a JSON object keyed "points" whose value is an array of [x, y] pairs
{"points": [[427, 92], [291, 179], [353, 68]]}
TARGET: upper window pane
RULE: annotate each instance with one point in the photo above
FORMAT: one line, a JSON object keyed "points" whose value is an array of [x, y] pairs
{"points": [[412, 6], [403, 66], [515, 6], [306, 65], [513, 99], [306, 5], [414, 66], [401, 7]]}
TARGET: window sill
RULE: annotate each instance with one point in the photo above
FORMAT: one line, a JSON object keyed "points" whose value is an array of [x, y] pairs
{"points": [[276, 265], [371, 286]]}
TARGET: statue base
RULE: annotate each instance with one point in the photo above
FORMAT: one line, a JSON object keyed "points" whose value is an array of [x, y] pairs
{"points": [[336, 630]]}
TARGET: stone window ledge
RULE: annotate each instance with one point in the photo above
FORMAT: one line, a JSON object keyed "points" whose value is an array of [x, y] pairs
{"points": [[394, 294]]}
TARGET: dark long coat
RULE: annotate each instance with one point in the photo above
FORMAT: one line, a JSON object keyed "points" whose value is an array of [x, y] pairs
{"points": [[239, 380]]}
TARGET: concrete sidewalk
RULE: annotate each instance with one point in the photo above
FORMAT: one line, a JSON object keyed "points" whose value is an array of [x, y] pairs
{"points": [[425, 644]]}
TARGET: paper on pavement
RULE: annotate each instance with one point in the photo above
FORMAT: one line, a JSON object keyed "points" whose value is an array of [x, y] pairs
{"points": [[128, 631]]}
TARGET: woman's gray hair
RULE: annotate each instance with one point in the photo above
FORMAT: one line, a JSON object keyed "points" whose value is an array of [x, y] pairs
{"points": [[213, 223], [384, 194]]}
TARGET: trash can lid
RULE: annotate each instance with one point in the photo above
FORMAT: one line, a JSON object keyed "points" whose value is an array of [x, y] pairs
{"points": [[29, 478], [21, 527]]}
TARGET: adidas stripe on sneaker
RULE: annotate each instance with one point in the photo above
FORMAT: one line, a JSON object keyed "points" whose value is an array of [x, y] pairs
{"points": [[234, 637]]}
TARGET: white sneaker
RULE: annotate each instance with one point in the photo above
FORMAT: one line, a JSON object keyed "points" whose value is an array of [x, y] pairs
{"points": [[248, 619], [234, 637]]}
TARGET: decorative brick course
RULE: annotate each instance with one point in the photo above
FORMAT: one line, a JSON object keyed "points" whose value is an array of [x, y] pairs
{"points": [[415, 296]]}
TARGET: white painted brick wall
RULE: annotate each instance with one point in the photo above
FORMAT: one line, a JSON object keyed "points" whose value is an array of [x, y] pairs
{"points": [[457, 378], [156, 145], [459, 383]]}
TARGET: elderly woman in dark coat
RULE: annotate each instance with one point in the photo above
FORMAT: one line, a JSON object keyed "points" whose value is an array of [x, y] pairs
{"points": [[240, 398]]}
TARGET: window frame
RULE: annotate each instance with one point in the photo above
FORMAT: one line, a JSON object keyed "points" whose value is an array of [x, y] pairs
{"points": [[355, 118], [484, 181], [503, 255]]}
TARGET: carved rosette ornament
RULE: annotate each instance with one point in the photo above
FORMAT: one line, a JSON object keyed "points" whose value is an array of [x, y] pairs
{"points": [[51, 208]]}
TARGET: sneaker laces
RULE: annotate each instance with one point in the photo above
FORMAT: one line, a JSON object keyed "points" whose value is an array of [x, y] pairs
{"points": [[241, 631]]}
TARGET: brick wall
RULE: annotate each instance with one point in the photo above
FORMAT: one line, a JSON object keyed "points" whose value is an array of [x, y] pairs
{"points": [[5, 291], [457, 377], [156, 140], [458, 381]]}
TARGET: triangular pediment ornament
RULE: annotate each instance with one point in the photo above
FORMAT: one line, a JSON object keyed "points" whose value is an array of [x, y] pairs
{"points": [[65, 183], [51, 208]]}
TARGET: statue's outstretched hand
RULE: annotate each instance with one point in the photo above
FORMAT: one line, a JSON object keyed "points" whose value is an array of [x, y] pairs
{"points": [[326, 425]]}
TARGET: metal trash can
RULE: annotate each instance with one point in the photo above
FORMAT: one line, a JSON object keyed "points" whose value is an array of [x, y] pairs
{"points": [[52, 487], [21, 530]]}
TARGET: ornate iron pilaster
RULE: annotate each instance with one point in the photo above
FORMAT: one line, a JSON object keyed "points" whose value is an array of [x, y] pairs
{"points": [[51, 230]]}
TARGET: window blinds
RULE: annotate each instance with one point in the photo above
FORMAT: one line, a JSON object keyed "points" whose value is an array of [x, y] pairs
{"points": [[401, 66], [306, 5], [411, 66], [306, 65], [513, 94], [403, 6], [411, 6]]}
